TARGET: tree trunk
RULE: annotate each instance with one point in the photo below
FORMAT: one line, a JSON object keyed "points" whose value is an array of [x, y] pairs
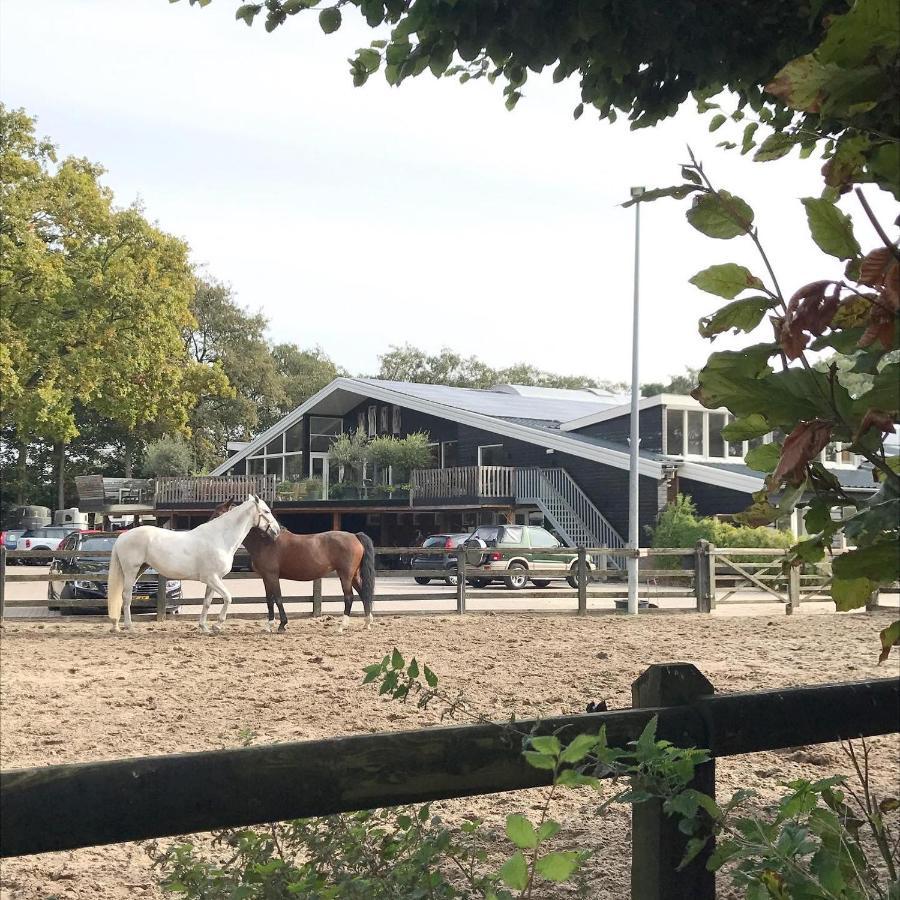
{"points": [[129, 461], [21, 473], [60, 450]]}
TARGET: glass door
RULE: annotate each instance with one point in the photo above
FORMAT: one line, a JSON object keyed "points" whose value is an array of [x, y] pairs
{"points": [[322, 468]]}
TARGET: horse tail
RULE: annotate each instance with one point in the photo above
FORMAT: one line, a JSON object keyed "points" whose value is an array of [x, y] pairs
{"points": [[367, 571], [115, 585]]}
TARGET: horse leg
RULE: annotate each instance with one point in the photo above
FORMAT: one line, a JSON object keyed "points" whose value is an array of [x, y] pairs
{"points": [[273, 591], [222, 591], [207, 599], [127, 589], [357, 584], [347, 586]]}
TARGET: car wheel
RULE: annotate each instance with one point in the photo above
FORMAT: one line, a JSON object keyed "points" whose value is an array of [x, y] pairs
{"points": [[67, 593], [540, 582], [422, 580], [572, 577], [517, 578], [452, 580]]}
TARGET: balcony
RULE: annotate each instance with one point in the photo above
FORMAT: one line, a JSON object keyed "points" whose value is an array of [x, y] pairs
{"points": [[463, 484]]}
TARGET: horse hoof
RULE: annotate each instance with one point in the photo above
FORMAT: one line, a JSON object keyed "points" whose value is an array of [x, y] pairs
{"points": [[282, 628], [216, 629], [267, 626]]}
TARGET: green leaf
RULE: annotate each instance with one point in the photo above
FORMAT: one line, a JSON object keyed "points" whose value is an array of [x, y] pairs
{"points": [[547, 744], [717, 121], [578, 748], [831, 229], [370, 59], [851, 593], [577, 112], [521, 832], [247, 12], [720, 215], [884, 394], [514, 872], [558, 866], [430, 678], [413, 670], [539, 760], [688, 173], [678, 191], [571, 778], [330, 20], [372, 672], [878, 562], [746, 428], [548, 830], [763, 458], [774, 147], [726, 280], [397, 661], [741, 315]]}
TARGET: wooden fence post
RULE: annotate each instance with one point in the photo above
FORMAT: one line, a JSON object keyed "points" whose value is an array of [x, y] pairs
{"points": [[701, 576], [582, 581], [657, 846], [711, 577], [317, 597], [793, 603], [160, 597], [2, 582], [871, 603], [461, 580]]}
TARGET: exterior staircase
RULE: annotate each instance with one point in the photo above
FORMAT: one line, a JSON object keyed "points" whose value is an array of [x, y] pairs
{"points": [[570, 511]]}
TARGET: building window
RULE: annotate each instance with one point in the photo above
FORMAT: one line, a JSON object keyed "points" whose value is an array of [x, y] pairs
{"points": [[373, 421], [322, 431], [385, 416], [256, 465], [293, 467], [449, 455], [695, 432], [293, 438], [395, 421], [275, 447], [360, 420], [675, 432], [434, 449], [275, 466], [716, 441], [492, 455]]}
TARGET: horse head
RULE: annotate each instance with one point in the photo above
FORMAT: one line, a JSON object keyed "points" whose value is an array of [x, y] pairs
{"points": [[223, 508], [266, 521]]}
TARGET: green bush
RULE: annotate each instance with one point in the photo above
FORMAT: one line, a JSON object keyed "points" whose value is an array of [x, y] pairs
{"points": [[170, 455], [679, 526]]}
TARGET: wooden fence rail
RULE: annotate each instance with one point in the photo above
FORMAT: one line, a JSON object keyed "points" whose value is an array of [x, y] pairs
{"points": [[64, 807]]}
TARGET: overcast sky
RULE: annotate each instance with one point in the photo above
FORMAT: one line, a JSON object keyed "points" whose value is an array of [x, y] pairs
{"points": [[356, 218]]}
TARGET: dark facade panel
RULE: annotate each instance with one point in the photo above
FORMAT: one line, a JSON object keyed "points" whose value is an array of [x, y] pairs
{"points": [[619, 429], [712, 499]]}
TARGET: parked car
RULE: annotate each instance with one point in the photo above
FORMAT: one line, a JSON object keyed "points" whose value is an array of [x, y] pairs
{"points": [[48, 537], [513, 550], [448, 562], [10, 540], [241, 561], [69, 586]]}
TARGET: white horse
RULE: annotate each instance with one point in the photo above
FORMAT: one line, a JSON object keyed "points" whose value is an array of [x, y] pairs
{"points": [[205, 553]]}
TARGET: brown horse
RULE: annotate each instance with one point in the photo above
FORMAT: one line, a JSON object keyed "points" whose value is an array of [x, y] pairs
{"points": [[305, 557]]}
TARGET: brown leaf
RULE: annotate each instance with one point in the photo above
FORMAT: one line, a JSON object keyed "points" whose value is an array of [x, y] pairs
{"points": [[811, 310], [876, 418], [882, 323], [801, 446], [874, 265]]}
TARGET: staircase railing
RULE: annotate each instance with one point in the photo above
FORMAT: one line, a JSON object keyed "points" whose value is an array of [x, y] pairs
{"points": [[569, 509]]}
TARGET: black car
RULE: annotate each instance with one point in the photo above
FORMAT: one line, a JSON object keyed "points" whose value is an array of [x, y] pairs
{"points": [[69, 586], [448, 562]]}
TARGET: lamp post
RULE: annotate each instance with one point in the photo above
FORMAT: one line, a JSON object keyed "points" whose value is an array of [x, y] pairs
{"points": [[635, 440]]}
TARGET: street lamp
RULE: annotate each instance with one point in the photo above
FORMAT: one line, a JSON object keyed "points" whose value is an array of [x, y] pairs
{"points": [[635, 440]]}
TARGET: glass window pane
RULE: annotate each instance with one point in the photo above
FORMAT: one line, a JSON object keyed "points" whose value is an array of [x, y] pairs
{"points": [[293, 467], [755, 442], [736, 449], [435, 451], [275, 447], [325, 425], [511, 535], [831, 453], [674, 432], [716, 441], [395, 420], [320, 443], [451, 457], [493, 455], [384, 417], [695, 432], [275, 466], [256, 466], [293, 437], [239, 468]]}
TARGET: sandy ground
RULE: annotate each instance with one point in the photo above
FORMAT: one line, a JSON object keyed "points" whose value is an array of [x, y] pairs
{"points": [[73, 692]]}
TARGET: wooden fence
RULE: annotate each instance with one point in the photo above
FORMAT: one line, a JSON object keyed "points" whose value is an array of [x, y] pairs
{"points": [[703, 573], [498, 482], [178, 490], [64, 807]]}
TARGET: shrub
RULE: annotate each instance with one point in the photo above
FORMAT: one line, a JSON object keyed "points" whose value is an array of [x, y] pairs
{"points": [[170, 455]]}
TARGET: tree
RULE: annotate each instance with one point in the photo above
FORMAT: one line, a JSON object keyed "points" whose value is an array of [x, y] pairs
{"points": [[772, 386], [170, 455], [677, 384], [408, 363], [303, 373], [94, 302]]}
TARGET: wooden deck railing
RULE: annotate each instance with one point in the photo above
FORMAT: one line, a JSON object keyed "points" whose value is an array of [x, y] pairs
{"points": [[209, 489], [464, 481]]}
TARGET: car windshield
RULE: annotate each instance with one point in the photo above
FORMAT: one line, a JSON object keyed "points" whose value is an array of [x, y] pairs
{"points": [[436, 541], [97, 543]]}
